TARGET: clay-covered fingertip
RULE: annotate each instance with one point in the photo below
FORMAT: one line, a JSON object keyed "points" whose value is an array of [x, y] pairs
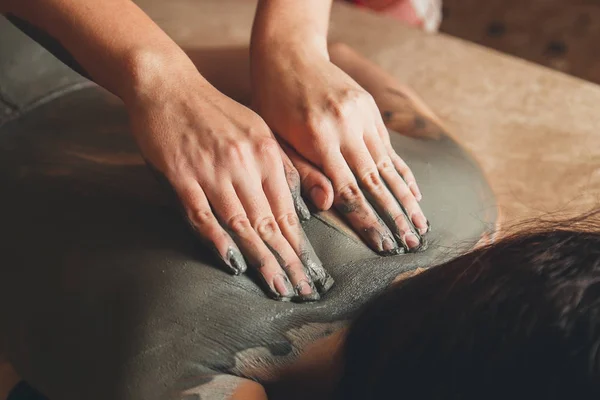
{"points": [[301, 208], [305, 298], [274, 295], [303, 212], [414, 188], [392, 252], [320, 277], [388, 244], [323, 285], [283, 299], [423, 244], [236, 262]]}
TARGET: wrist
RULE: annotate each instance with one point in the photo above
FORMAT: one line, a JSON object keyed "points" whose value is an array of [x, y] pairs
{"points": [[290, 47], [151, 74], [279, 29]]}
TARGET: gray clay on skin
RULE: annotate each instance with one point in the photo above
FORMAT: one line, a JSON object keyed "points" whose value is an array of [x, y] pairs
{"points": [[105, 292]]}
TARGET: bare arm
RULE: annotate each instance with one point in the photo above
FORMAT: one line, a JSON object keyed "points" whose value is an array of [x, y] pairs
{"points": [[114, 41], [284, 23]]}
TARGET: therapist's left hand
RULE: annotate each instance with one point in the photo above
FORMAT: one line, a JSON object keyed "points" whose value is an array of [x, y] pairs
{"points": [[330, 121]]}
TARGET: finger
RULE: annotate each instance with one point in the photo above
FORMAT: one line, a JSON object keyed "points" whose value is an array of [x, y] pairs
{"points": [[205, 224], [292, 231], [399, 164], [267, 228], [406, 174], [399, 178], [293, 181], [352, 204], [405, 193], [230, 210], [315, 185], [361, 162], [382, 181]]}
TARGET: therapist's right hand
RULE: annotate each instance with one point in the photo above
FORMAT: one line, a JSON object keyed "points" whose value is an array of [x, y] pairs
{"points": [[238, 189]]}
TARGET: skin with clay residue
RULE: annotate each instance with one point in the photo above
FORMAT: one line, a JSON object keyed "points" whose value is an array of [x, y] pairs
{"points": [[378, 237], [408, 121], [236, 261], [295, 188], [301, 291], [346, 208], [321, 278]]}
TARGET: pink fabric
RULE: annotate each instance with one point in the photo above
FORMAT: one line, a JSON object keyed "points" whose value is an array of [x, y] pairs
{"points": [[425, 14]]}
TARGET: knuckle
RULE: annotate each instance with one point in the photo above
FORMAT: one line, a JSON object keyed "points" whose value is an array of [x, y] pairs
{"points": [[266, 227], [289, 219], [239, 224], [404, 195], [367, 98], [342, 105], [236, 152], [314, 124], [335, 107], [399, 163], [262, 263], [372, 181], [269, 147], [200, 217], [400, 221], [349, 193], [386, 164]]}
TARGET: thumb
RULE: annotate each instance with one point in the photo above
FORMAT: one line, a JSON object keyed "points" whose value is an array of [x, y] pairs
{"points": [[315, 185]]}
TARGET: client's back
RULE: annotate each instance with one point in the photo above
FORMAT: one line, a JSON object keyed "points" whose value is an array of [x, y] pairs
{"points": [[519, 319]]}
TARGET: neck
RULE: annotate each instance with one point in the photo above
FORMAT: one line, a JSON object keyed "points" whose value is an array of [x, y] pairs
{"points": [[314, 374]]}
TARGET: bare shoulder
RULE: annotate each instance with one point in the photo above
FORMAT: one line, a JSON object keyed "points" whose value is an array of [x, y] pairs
{"points": [[222, 387]]}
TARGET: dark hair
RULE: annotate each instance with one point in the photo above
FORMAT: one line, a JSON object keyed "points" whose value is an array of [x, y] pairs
{"points": [[519, 320]]}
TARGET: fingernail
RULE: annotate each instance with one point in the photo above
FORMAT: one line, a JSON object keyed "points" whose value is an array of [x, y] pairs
{"points": [[235, 261], [306, 291], [411, 240], [416, 192], [283, 286], [380, 242], [388, 244], [303, 288], [321, 278], [420, 222], [325, 283], [318, 196], [393, 251], [301, 208]]}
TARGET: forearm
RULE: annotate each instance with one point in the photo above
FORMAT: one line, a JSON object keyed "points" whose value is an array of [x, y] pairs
{"points": [[113, 41], [281, 24]]}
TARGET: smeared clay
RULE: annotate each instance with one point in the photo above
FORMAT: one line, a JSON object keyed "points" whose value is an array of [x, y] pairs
{"points": [[133, 264], [378, 237]]}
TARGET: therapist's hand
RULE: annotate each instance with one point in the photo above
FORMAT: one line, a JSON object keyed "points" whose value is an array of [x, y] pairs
{"points": [[235, 184], [329, 120]]}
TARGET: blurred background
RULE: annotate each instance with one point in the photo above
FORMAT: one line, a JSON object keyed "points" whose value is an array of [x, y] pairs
{"points": [[560, 34]]}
